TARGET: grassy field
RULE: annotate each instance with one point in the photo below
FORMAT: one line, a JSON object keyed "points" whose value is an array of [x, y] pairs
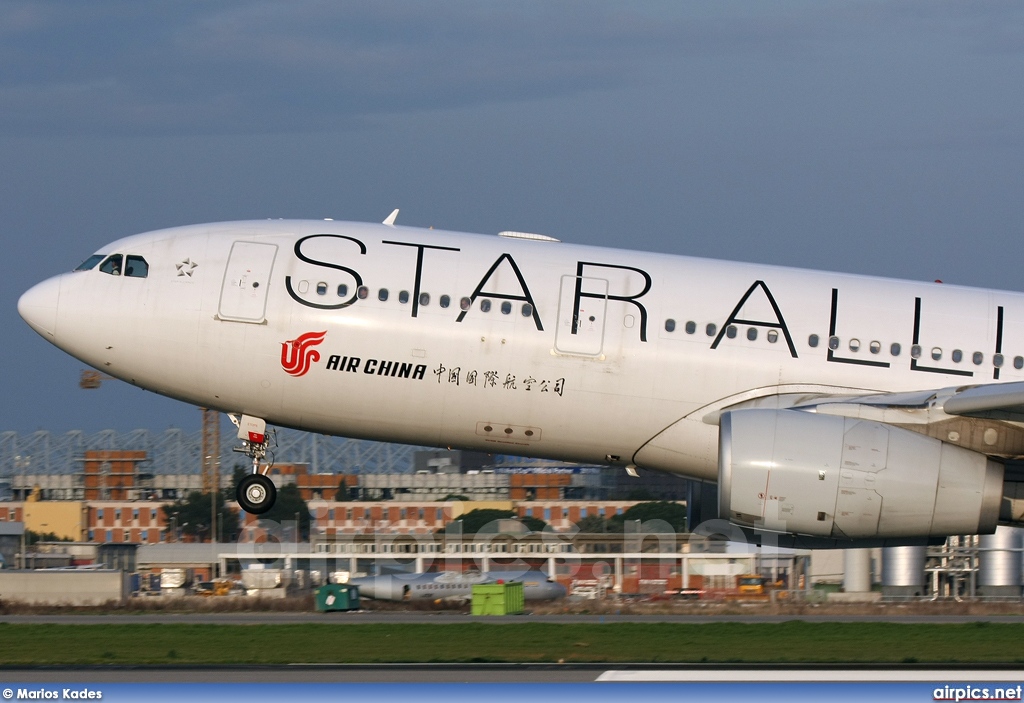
{"points": [[793, 642]]}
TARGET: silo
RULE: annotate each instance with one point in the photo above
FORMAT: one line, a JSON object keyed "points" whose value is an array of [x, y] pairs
{"points": [[903, 571], [1000, 563], [857, 570]]}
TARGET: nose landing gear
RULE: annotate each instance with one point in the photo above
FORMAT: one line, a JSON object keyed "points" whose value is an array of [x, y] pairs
{"points": [[255, 493]]}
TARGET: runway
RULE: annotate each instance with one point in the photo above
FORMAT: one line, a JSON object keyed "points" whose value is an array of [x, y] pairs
{"points": [[405, 618], [509, 673]]}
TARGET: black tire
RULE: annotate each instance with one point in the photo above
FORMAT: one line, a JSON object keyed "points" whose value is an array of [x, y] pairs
{"points": [[256, 494]]}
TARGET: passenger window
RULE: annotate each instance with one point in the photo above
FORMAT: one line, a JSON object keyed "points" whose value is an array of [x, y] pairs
{"points": [[773, 336], [711, 329], [915, 351], [485, 305], [875, 347], [424, 299], [506, 308], [752, 333], [854, 344], [978, 358], [527, 309], [90, 263], [403, 296], [303, 286], [997, 360], [136, 267], [321, 288], [342, 290], [691, 327], [444, 301], [936, 353], [112, 265], [957, 356], [730, 331], [363, 292], [465, 303], [670, 325], [895, 349], [833, 342], [812, 341], [382, 295], [1018, 362]]}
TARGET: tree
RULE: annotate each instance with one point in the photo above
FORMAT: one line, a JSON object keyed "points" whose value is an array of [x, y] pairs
{"points": [[595, 524], [533, 524], [672, 513], [32, 537], [640, 494], [237, 475], [191, 516], [341, 495], [290, 503], [476, 520]]}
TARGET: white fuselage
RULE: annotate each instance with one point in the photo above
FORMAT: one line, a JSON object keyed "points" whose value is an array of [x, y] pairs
{"points": [[585, 354]]}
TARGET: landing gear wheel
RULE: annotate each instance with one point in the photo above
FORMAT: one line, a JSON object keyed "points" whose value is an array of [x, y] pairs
{"points": [[256, 494]]}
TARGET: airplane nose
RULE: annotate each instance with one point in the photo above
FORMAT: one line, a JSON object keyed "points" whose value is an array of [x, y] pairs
{"points": [[38, 307], [365, 585]]}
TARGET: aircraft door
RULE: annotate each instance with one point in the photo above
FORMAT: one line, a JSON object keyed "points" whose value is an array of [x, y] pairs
{"points": [[243, 295], [582, 305]]}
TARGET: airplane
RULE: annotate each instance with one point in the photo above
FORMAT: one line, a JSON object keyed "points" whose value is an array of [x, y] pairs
{"points": [[452, 585], [831, 409]]}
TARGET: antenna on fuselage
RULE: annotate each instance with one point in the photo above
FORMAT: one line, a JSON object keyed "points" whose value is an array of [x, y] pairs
{"points": [[390, 220]]}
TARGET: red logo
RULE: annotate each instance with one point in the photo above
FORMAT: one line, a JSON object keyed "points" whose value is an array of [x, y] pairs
{"points": [[298, 354]]}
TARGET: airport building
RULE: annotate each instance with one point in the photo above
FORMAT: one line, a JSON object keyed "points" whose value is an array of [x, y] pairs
{"points": [[117, 495], [365, 518]]}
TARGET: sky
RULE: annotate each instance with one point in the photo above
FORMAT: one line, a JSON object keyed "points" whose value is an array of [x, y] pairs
{"points": [[872, 137]]}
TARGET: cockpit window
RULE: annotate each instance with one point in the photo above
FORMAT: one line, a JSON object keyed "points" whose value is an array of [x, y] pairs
{"points": [[90, 263], [112, 265], [136, 267]]}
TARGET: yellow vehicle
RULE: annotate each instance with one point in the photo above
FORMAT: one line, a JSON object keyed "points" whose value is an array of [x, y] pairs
{"points": [[750, 584], [220, 587], [753, 587]]}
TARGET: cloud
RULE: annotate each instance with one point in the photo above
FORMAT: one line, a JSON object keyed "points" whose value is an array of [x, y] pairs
{"points": [[123, 68]]}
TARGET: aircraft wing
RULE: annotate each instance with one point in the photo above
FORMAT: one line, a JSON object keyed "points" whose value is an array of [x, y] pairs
{"points": [[995, 400], [991, 401]]}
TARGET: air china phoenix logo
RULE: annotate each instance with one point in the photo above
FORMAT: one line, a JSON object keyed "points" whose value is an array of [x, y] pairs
{"points": [[297, 355]]}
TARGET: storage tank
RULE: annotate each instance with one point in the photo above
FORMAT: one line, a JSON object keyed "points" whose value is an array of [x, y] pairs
{"points": [[857, 570], [903, 571], [1000, 563]]}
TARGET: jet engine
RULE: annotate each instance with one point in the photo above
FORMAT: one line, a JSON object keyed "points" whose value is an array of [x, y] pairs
{"points": [[826, 476]]}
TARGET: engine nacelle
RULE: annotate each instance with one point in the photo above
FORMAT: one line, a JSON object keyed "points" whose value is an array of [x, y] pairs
{"points": [[828, 476]]}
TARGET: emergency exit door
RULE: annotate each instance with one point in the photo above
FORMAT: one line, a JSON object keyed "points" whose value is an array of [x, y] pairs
{"points": [[582, 304], [243, 296]]}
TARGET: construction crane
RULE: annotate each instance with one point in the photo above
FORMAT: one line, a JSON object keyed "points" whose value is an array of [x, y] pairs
{"points": [[210, 460], [211, 451]]}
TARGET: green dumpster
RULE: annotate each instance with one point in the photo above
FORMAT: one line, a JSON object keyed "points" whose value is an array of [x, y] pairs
{"points": [[498, 598], [337, 596]]}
